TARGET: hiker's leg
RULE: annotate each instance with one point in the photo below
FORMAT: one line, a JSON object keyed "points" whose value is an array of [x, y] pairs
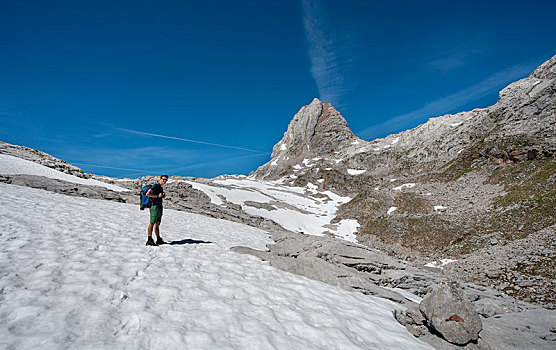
{"points": [[154, 219], [157, 229]]}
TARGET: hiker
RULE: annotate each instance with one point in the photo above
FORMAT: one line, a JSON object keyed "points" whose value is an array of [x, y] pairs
{"points": [[156, 192]]}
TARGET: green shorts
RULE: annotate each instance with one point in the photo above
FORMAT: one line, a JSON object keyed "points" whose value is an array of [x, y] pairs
{"points": [[156, 214]]}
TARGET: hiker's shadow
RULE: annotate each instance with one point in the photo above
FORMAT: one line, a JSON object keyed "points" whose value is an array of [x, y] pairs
{"points": [[189, 241]]}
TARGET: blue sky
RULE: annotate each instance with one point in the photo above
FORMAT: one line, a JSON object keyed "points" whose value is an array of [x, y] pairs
{"points": [[203, 88]]}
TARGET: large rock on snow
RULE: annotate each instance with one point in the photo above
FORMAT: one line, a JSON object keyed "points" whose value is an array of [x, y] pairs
{"points": [[449, 312]]}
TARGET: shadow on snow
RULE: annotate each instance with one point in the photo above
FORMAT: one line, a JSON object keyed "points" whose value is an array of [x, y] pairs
{"points": [[189, 241]]}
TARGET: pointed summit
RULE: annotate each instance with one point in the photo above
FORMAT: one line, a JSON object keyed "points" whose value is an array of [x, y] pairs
{"points": [[317, 130]]}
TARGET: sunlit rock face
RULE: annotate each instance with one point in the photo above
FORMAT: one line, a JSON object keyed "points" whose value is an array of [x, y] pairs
{"points": [[317, 130]]}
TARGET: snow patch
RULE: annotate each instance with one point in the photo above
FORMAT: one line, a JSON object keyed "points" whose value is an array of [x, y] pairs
{"points": [[312, 186], [391, 210], [439, 264], [399, 188], [409, 296], [356, 171], [347, 229]]}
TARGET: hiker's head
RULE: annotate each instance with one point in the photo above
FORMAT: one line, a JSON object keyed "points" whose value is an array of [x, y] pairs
{"points": [[163, 178]]}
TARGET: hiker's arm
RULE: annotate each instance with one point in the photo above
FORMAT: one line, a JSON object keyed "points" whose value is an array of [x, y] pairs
{"points": [[150, 194]]}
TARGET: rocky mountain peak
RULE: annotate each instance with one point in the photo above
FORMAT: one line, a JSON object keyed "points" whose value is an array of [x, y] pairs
{"points": [[317, 127], [317, 130]]}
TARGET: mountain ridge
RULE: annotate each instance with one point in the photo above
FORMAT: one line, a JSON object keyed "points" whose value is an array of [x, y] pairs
{"points": [[456, 186], [440, 138]]}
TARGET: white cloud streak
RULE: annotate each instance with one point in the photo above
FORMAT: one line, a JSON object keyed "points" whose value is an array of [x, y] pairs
{"points": [[438, 107], [189, 140], [325, 67]]}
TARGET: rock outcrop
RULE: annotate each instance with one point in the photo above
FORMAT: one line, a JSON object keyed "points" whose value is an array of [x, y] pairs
{"points": [[41, 158], [316, 131], [449, 312]]}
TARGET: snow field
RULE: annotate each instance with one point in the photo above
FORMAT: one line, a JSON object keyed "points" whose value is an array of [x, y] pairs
{"points": [[16, 166], [304, 213], [75, 273]]}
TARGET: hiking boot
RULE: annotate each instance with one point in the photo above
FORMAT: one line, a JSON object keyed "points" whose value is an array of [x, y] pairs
{"points": [[150, 241], [160, 241]]}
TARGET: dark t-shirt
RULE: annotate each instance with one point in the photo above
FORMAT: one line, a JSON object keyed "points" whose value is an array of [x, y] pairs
{"points": [[156, 189]]}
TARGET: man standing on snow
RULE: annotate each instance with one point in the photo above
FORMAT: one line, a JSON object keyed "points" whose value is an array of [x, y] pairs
{"points": [[156, 192]]}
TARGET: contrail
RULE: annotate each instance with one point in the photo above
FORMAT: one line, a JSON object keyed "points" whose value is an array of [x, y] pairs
{"points": [[188, 140], [325, 66]]}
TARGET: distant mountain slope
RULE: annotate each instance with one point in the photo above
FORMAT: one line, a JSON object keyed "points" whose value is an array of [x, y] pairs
{"points": [[522, 123], [453, 186]]}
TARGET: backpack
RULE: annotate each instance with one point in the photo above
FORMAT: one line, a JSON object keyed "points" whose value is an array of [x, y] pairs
{"points": [[145, 202]]}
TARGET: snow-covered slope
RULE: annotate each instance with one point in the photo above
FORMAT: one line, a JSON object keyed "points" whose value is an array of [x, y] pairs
{"points": [[75, 273], [16, 166], [297, 209]]}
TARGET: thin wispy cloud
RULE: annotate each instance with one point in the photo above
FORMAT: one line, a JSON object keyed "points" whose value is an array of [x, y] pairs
{"points": [[325, 63], [136, 132], [441, 106], [449, 61], [9, 110]]}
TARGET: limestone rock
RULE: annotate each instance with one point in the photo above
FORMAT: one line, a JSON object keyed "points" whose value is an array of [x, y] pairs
{"points": [[449, 312], [493, 273], [316, 131], [41, 158]]}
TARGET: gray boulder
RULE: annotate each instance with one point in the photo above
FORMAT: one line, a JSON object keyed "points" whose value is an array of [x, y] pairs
{"points": [[448, 311]]}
